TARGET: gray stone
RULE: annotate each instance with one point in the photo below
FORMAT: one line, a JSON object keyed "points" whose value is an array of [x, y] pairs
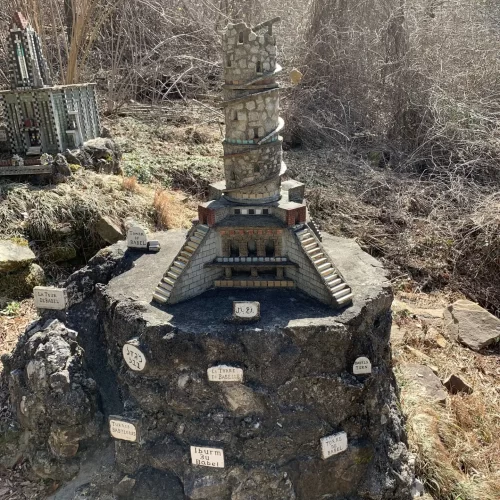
{"points": [[470, 324], [124, 488], [202, 485], [152, 484], [241, 400], [101, 154], [61, 166], [425, 380], [52, 397], [109, 230], [276, 419], [14, 256], [455, 384]]}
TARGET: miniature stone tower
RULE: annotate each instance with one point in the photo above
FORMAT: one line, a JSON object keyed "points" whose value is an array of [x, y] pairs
{"points": [[254, 232], [39, 117]]}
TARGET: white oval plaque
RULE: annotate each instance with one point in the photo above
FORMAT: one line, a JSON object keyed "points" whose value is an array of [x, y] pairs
{"points": [[134, 358], [331, 445], [246, 310], [225, 373], [120, 429], [362, 366], [208, 457], [137, 238]]}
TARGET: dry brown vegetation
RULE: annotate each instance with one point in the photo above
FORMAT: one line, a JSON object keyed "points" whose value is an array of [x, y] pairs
{"points": [[457, 444]]}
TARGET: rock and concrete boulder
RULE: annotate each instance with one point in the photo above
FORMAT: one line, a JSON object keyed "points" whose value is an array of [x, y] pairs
{"points": [[426, 381], [14, 256], [101, 154], [470, 324], [61, 166], [53, 397]]}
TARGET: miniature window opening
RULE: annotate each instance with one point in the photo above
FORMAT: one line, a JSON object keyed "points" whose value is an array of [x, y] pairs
{"points": [[233, 175], [256, 169], [255, 132], [237, 211], [228, 61], [235, 115], [259, 67], [252, 248], [270, 248], [251, 211], [234, 249], [265, 211], [240, 37]]}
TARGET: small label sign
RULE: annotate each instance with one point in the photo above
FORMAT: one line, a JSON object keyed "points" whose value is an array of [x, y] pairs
{"points": [[121, 429], [137, 238], [208, 457], [47, 297], [246, 310], [362, 366], [134, 358], [331, 445], [225, 373]]}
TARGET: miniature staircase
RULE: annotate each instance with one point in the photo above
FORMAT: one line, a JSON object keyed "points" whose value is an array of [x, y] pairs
{"points": [[164, 289], [340, 291]]}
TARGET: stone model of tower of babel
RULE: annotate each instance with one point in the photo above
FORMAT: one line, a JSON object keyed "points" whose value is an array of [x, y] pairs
{"points": [[254, 232]]}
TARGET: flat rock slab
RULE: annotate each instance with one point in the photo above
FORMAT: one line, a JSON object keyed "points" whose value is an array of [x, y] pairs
{"points": [[14, 256], [425, 379], [470, 324]]}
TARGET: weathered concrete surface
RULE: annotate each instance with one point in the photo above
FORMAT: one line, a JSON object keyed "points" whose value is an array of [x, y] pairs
{"points": [[472, 325]]}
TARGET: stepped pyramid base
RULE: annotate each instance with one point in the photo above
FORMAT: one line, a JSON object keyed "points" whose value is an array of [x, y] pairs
{"points": [[298, 260]]}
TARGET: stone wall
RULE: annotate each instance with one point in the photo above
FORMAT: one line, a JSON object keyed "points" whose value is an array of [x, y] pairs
{"points": [[259, 193], [244, 167], [195, 278], [245, 52], [241, 236], [251, 116], [54, 397]]}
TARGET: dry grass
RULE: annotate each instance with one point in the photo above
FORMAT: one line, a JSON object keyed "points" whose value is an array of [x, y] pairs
{"points": [[172, 210], [457, 445], [59, 221], [130, 184]]}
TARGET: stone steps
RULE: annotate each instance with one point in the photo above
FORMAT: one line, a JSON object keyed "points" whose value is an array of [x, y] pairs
{"points": [[340, 291], [165, 287]]}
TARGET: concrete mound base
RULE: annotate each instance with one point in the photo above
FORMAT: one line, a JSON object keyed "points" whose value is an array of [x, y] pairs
{"points": [[298, 385]]}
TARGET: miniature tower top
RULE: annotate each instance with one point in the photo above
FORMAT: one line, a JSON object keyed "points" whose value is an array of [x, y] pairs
{"points": [[28, 68], [252, 147]]}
